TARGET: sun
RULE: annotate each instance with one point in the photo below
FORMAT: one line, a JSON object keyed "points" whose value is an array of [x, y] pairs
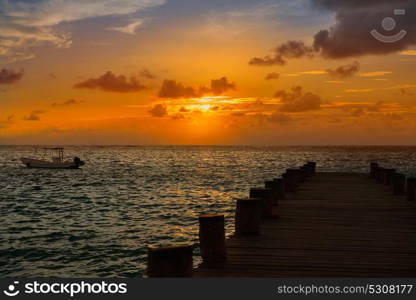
{"points": [[205, 107]]}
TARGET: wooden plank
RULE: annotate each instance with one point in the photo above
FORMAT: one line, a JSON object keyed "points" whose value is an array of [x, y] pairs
{"points": [[336, 225]]}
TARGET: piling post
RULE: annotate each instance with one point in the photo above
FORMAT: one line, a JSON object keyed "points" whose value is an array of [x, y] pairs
{"points": [[280, 188], [388, 176], [308, 169], [247, 216], [399, 182], [290, 180], [174, 261], [304, 171], [212, 238], [373, 169], [312, 165], [273, 186], [380, 174], [267, 197], [411, 189]]}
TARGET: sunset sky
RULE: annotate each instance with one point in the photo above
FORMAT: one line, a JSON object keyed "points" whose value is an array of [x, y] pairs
{"points": [[256, 72]]}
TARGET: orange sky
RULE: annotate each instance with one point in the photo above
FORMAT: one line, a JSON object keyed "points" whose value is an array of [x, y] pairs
{"points": [[151, 75]]}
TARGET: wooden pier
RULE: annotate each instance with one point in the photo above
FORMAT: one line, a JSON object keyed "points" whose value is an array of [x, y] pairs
{"points": [[330, 225]]}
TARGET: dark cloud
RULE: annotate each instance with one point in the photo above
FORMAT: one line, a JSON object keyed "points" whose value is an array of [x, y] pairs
{"points": [[290, 49], [174, 89], [267, 61], [159, 111], [147, 74], [34, 115], [178, 117], [66, 102], [238, 114], [405, 92], [272, 76], [280, 118], [358, 110], [350, 35], [110, 82], [345, 71], [7, 122], [8, 76], [298, 101], [184, 109], [222, 85]]}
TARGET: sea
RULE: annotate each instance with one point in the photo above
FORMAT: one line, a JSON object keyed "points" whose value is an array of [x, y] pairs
{"points": [[98, 221]]}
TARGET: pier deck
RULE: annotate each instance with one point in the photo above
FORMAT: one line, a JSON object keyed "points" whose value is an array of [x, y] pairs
{"points": [[335, 225]]}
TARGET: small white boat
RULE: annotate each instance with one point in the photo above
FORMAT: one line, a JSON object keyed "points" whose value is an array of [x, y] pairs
{"points": [[57, 161]]}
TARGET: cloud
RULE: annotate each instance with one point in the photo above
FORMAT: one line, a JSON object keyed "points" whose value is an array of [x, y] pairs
{"points": [[8, 76], [222, 85], [298, 101], [66, 102], [184, 110], [358, 90], [159, 111], [238, 114], [34, 115], [280, 118], [290, 49], [360, 109], [174, 89], [110, 82], [408, 52], [7, 122], [376, 74], [272, 76], [28, 24], [178, 117], [345, 71], [147, 74], [130, 28], [405, 92], [350, 35]]}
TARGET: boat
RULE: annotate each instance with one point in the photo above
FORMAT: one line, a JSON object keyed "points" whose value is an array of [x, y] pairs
{"points": [[57, 161]]}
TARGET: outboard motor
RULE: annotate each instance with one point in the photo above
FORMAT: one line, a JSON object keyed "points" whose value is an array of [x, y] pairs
{"points": [[78, 162]]}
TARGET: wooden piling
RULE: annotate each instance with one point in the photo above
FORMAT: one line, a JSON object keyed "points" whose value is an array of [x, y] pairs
{"points": [[308, 169], [388, 176], [212, 238], [266, 195], [290, 180], [380, 174], [399, 182], [340, 225], [312, 165], [273, 186], [247, 216], [373, 169], [411, 189], [174, 261], [304, 170], [280, 187]]}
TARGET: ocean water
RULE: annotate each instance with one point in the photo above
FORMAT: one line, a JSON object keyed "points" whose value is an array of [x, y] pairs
{"points": [[98, 221]]}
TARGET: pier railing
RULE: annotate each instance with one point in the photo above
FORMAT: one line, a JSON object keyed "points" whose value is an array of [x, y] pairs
{"points": [[177, 261], [262, 203]]}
